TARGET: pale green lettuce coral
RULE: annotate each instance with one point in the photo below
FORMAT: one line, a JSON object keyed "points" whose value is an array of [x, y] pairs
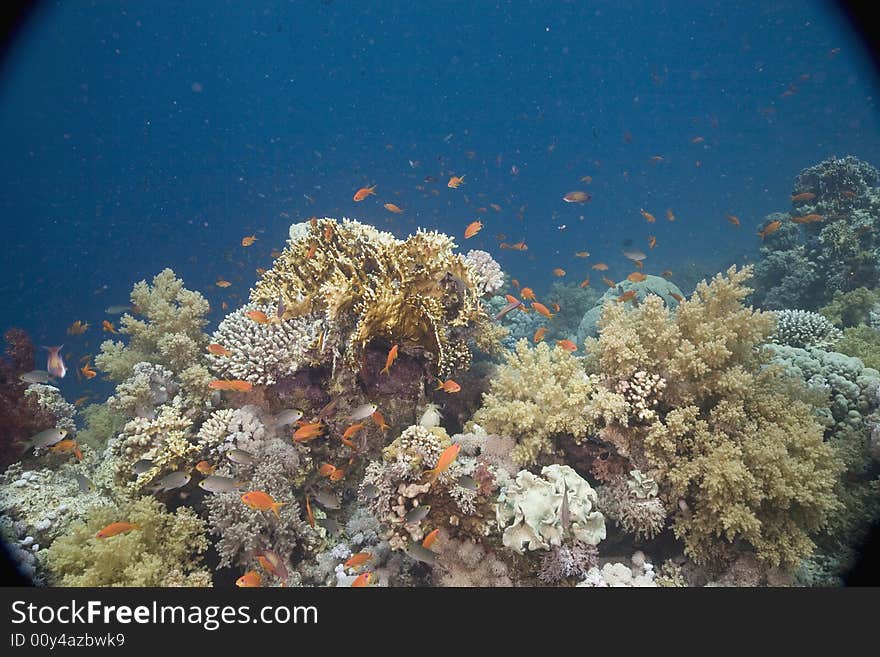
{"points": [[165, 550], [530, 510], [170, 333]]}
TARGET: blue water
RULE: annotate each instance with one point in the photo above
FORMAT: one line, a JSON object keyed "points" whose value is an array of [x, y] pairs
{"points": [[143, 135]]}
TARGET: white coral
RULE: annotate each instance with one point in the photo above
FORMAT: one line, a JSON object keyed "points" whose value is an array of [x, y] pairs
{"points": [[805, 330], [485, 271]]}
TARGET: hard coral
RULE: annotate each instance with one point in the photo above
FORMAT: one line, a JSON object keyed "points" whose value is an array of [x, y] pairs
{"points": [[366, 284], [804, 329]]}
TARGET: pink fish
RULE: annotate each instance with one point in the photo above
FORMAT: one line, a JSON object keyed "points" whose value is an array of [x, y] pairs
{"points": [[56, 362]]}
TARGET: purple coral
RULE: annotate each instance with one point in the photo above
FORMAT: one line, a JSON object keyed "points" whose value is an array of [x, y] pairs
{"points": [[568, 561]]}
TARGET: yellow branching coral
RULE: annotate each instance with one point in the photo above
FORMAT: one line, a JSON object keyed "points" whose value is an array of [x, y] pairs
{"points": [[737, 454], [537, 394], [165, 549], [367, 284]]}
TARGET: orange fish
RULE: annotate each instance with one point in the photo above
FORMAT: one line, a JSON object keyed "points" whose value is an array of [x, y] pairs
{"points": [[260, 271], [392, 356], [585, 283], [539, 335], [430, 539], [77, 328], [600, 266], [88, 372], [638, 264], [733, 219], [629, 295], [556, 307], [576, 197], [449, 386], [677, 297], [234, 385], [515, 283], [803, 196], [648, 216], [519, 246], [358, 560], [582, 254], [218, 350], [251, 579], [472, 229], [107, 326], [379, 419], [260, 501], [652, 241], [328, 233], [205, 468], [608, 282], [115, 528], [222, 283], [559, 272], [392, 208], [258, 316], [248, 240], [568, 345], [446, 458], [361, 580], [364, 192], [670, 215], [667, 273], [66, 447], [455, 181], [308, 432], [808, 219], [309, 515], [274, 253], [313, 246], [541, 309], [527, 294], [511, 299], [338, 474], [637, 277], [769, 229], [224, 305], [353, 429]]}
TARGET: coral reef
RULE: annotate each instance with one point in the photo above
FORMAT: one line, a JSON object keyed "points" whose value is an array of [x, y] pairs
{"points": [[49, 399], [169, 335], [568, 561], [862, 342], [639, 574], [485, 272], [804, 329], [368, 285], [637, 512], [520, 325], [149, 386], [851, 308]]}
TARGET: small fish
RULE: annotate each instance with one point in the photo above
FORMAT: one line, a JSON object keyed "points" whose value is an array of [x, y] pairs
{"points": [[67, 446], [219, 484], [567, 345], [392, 356], [361, 580], [769, 229], [803, 197], [652, 241], [352, 430], [576, 197], [55, 363], [430, 539], [222, 282], [417, 514], [556, 307], [358, 560], [218, 350], [585, 283], [260, 501], [328, 233], [629, 295], [697, 140], [88, 372], [541, 309], [582, 254], [327, 499], [677, 297], [107, 326], [600, 266], [539, 334], [77, 328], [848, 193], [472, 229], [205, 468], [656, 159], [85, 484], [513, 305], [309, 515], [379, 419], [806, 219], [667, 273], [559, 272], [329, 408], [647, 215], [35, 376], [171, 481], [448, 386], [313, 247], [733, 219], [116, 310], [46, 438], [115, 528], [637, 277], [515, 283], [421, 553], [235, 385], [363, 193], [241, 457], [670, 215], [141, 466], [392, 208], [251, 579], [467, 482], [527, 294], [248, 240], [308, 432], [608, 282], [338, 474], [444, 461], [362, 411], [565, 511], [370, 492], [455, 181], [272, 563], [257, 316], [330, 525], [634, 254], [288, 416]]}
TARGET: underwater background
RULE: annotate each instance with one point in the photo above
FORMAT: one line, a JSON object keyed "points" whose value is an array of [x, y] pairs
{"points": [[694, 136]]}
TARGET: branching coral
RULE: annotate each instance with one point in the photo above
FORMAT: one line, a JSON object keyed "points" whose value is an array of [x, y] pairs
{"points": [[169, 335], [804, 329], [485, 272], [737, 456], [149, 386], [49, 399], [644, 516], [367, 285], [165, 549]]}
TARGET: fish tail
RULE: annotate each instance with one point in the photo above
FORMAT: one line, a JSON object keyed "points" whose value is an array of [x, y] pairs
{"points": [[277, 506], [385, 370]]}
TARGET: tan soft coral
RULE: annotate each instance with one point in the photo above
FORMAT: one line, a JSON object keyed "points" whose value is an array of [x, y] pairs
{"points": [[735, 454]]}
